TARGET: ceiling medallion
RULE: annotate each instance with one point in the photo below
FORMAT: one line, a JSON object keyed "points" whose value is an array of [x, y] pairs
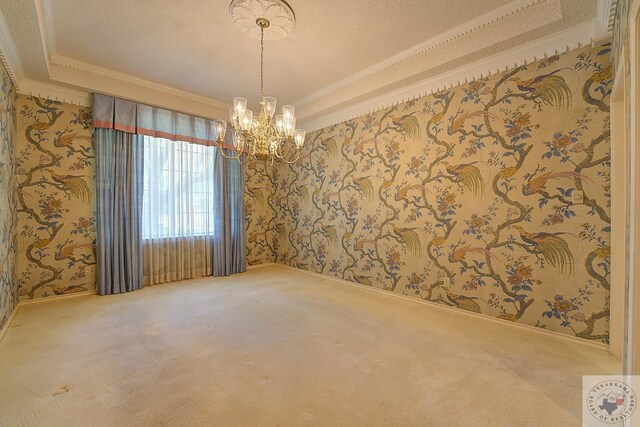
{"points": [[281, 18], [262, 136]]}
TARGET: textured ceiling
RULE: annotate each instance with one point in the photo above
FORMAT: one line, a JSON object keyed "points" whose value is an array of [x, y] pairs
{"points": [[193, 45]]}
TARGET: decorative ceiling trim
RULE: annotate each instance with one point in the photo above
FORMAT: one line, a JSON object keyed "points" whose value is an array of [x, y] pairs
{"points": [[605, 13], [491, 17], [64, 62], [55, 92], [9, 54], [45, 24], [560, 42]]}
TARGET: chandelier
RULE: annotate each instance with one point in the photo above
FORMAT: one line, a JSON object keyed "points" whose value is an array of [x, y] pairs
{"points": [[265, 135]]}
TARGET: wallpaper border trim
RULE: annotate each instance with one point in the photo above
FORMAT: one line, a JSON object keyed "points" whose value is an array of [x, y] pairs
{"points": [[455, 311], [554, 44]]}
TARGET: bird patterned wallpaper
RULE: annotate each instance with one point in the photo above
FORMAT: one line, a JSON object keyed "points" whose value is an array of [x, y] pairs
{"points": [[8, 286], [55, 199], [259, 212], [491, 197]]}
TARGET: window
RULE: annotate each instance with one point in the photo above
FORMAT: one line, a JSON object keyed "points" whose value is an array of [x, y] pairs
{"points": [[178, 196]]}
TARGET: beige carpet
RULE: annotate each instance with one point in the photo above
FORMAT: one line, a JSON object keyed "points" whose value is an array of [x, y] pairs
{"points": [[278, 347]]}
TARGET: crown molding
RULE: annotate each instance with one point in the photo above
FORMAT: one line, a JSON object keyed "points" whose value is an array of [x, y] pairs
{"points": [[455, 33], [605, 13], [73, 64], [9, 54], [55, 92], [560, 42]]}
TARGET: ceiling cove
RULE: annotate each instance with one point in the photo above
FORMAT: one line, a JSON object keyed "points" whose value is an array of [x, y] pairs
{"points": [[383, 84]]}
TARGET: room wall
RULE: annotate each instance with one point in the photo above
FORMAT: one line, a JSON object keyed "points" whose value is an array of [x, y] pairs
{"points": [[56, 220], [55, 198], [8, 284], [472, 186], [260, 212]]}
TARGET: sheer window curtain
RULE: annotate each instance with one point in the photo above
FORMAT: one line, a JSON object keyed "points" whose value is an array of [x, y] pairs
{"points": [[192, 217]]}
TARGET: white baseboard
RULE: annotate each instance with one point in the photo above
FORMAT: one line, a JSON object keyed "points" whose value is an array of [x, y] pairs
{"points": [[266, 264], [5, 328], [38, 301], [454, 311], [458, 312], [57, 297]]}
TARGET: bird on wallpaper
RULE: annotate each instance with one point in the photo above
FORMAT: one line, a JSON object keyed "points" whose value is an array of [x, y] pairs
{"points": [[67, 289], [467, 174], [303, 190], [364, 186], [458, 121], [409, 239], [459, 253], [257, 194], [539, 182], [407, 125], [550, 88], [74, 184], [551, 246], [252, 237], [328, 196], [41, 243], [65, 140], [332, 147], [67, 251], [363, 280], [331, 233], [401, 194], [359, 147], [463, 302], [361, 242]]}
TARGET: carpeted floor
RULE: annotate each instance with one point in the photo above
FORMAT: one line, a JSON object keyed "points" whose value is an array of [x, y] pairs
{"points": [[278, 347]]}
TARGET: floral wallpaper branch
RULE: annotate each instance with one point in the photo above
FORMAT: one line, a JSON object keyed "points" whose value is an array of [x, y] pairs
{"points": [[492, 197], [8, 219], [55, 170]]}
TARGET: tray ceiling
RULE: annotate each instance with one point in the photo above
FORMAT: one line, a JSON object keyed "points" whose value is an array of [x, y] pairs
{"points": [[338, 53]]}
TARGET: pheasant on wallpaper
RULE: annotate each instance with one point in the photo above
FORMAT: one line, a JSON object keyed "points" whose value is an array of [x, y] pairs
{"points": [[73, 184], [364, 186], [404, 189], [539, 183], [66, 251], [65, 140], [457, 122], [463, 302], [407, 125], [549, 88], [409, 239], [551, 246], [468, 175]]}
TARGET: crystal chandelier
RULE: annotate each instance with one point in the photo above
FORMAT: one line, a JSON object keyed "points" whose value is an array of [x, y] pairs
{"points": [[267, 136]]}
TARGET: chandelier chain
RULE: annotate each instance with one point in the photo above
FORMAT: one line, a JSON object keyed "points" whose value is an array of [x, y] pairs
{"points": [[261, 63]]}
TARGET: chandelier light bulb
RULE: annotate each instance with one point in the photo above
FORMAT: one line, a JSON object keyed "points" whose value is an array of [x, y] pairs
{"points": [[240, 106], [298, 137], [247, 120], [270, 105], [221, 129], [287, 111]]}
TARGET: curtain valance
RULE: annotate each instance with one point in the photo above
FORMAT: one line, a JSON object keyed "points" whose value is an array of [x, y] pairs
{"points": [[141, 119]]}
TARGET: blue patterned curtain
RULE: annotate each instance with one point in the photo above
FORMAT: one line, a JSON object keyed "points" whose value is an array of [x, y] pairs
{"points": [[229, 248], [119, 168]]}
